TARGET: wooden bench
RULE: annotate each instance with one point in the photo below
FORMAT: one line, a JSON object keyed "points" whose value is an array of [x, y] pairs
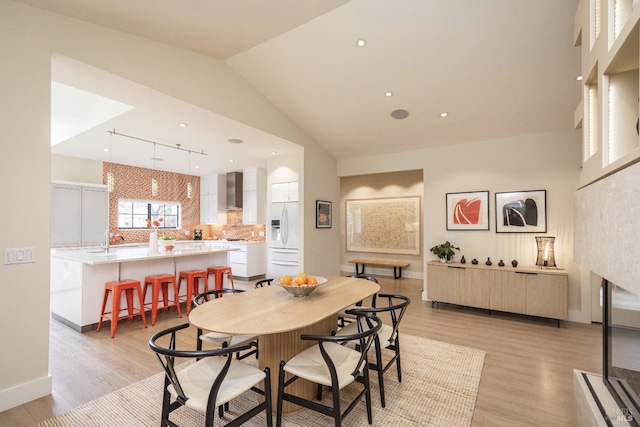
{"points": [[397, 265]]}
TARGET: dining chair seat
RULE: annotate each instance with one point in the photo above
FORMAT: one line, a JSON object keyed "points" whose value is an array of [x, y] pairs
{"points": [[219, 339], [213, 380], [334, 364], [195, 381], [310, 364], [385, 334]]}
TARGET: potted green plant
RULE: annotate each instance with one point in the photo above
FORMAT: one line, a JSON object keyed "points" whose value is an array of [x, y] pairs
{"points": [[166, 241], [445, 251]]}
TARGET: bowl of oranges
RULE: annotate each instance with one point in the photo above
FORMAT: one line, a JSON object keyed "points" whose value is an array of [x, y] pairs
{"points": [[301, 285]]}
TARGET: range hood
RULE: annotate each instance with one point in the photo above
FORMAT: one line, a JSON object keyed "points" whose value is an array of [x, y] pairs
{"points": [[234, 190]]}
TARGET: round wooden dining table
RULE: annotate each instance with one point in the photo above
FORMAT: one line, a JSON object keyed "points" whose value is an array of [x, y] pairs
{"points": [[279, 319]]}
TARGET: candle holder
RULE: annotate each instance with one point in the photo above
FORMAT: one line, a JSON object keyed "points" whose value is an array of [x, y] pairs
{"points": [[546, 257]]}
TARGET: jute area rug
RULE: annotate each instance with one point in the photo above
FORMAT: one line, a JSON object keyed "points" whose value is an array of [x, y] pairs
{"points": [[439, 388]]}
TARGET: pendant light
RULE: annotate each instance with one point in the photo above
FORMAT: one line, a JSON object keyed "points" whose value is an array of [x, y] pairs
{"points": [[189, 186], [154, 183], [111, 182]]}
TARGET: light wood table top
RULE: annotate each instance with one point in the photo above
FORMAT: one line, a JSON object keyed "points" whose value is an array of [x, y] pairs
{"points": [[271, 309]]}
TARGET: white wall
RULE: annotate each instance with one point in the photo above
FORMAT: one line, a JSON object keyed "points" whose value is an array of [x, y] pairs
{"points": [[534, 162], [64, 168], [25, 191], [28, 36]]}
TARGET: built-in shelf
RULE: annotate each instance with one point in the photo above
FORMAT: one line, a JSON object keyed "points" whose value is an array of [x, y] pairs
{"points": [[611, 79]]}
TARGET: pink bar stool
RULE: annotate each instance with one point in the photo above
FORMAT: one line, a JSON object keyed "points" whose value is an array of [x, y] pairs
{"points": [[157, 282], [192, 280], [115, 288], [218, 273]]}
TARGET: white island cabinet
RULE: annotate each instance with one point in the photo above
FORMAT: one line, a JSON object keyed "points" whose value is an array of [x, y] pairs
{"points": [[78, 275]]}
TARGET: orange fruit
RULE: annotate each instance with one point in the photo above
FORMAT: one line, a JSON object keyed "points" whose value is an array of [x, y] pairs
{"points": [[301, 278], [286, 280], [311, 280]]}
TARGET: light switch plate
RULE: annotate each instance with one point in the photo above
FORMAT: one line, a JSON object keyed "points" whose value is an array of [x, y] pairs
{"points": [[19, 255]]}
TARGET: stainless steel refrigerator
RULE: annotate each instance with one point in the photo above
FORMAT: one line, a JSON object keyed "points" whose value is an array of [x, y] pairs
{"points": [[283, 243]]}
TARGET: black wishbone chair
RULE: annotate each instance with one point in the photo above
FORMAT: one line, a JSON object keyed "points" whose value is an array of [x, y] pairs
{"points": [[220, 339], [332, 364], [215, 379], [388, 337], [343, 317], [262, 283]]}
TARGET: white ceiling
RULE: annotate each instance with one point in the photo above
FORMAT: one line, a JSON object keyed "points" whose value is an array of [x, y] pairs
{"points": [[499, 68]]}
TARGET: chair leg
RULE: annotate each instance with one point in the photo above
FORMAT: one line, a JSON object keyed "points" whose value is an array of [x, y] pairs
{"points": [[337, 413], [141, 302], [115, 310], [166, 405], [176, 300], [267, 397], [104, 305], [154, 304], [396, 348], [189, 295], [165, 295], [129, 297], [380, 370], [367, 394], [280, 393], [230, 276]]}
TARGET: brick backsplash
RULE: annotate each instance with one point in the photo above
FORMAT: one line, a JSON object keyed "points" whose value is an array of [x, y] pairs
{"points": [[135, 183]]}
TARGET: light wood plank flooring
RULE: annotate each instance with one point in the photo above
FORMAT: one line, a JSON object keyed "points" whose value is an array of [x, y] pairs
{"points": [[527, 378]]}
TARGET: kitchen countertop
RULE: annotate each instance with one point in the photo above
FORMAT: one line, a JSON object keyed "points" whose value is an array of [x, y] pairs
{"points": [[128, 253]]}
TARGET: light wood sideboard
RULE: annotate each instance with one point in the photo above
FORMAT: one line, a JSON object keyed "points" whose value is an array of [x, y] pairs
{"points": [[521, 290]]}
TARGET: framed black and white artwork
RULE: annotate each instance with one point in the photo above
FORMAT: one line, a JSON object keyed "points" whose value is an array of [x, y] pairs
{"points": [[521, 212]]}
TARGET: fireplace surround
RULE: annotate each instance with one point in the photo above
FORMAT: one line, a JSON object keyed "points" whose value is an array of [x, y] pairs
{"points": [[621, 348]]}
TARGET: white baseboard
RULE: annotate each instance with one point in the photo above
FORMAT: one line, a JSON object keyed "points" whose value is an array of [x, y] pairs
{"points": [[23, 393]]}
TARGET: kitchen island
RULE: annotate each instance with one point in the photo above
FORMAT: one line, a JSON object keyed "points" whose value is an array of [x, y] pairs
{"points": [[78, 275]]}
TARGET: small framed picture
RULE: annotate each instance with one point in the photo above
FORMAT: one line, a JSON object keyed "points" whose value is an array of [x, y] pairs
{"points": [[468, 211], [521, 212], [323, 214]]}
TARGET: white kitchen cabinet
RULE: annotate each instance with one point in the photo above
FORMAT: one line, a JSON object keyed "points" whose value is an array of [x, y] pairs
{"points": [[213, 196], [284, 192], [250, 260], [79, 214], [254, 195]]}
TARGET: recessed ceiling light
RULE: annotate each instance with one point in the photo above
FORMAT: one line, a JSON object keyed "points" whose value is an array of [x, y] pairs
{"points": [[274, 152], [361, 42], [444, 114], [105, 149], [235, 141], [579, 78], [231, 161], [388, 93], [183, 125], [399, 114]]}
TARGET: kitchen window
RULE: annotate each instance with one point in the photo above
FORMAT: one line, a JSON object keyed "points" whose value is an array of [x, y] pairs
{"points": [[133, 214]]}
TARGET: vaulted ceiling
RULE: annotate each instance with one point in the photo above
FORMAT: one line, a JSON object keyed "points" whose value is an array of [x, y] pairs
{"points": [[498, 68]]}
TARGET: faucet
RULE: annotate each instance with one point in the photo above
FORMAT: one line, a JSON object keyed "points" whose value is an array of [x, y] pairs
{"points": [[107, 240]]}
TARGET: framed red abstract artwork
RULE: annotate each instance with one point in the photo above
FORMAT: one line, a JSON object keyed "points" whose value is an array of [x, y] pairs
{"points": [[468, 211]]}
